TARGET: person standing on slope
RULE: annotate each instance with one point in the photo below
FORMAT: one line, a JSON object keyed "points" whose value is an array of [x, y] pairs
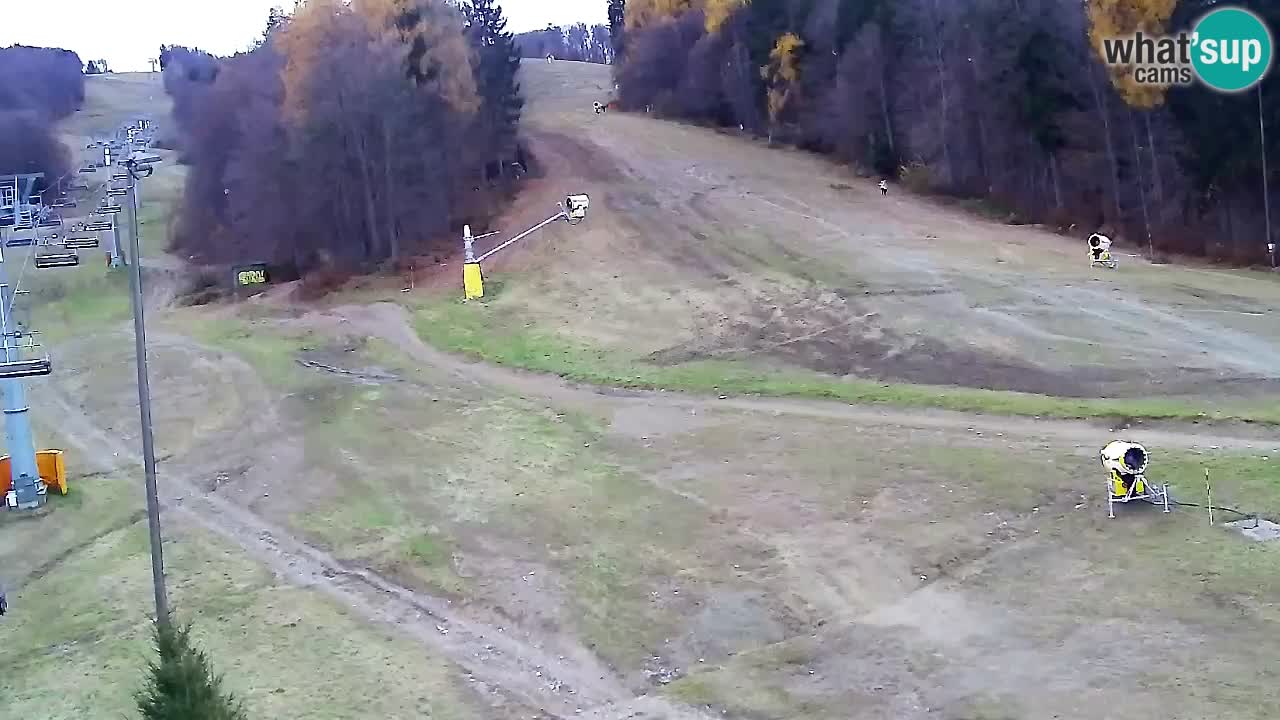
{"points": [[884, 188]]}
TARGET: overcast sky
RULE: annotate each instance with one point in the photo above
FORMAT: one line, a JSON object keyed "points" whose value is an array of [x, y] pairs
{"points": [[128, 34]]}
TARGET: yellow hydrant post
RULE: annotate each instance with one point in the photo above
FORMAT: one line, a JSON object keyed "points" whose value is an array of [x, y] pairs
{"points": [[472, 277]]}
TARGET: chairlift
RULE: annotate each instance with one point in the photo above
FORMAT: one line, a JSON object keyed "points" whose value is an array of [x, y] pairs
{"points": [[80, 243], [57, 260], [120, 176], [20, 242], [14, 369], [107, 210], [117, 192]]}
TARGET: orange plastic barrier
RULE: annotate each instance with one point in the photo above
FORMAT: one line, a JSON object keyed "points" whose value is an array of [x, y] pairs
{"points": [[49, 463], [53, 469]]}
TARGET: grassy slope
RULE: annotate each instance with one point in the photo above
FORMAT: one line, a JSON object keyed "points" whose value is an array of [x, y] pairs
{"points": [[499, 333], [1199, 581], [460, 473]]}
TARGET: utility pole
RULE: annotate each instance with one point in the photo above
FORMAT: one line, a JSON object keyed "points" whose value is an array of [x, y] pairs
{"points": [[113, 251], [144, 396], [28, 489], [1266, 180]]}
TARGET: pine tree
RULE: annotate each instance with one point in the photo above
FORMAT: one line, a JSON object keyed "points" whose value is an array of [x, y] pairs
{"points": [[181, 685], [275, 18], [496, 70], [618, 27]]}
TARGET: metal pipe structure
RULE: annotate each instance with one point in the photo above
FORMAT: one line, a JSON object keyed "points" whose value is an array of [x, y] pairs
{"points": [[523, 235], [144, 406]]}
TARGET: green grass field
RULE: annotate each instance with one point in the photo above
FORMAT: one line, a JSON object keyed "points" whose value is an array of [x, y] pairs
{"points": [[502, 335]]}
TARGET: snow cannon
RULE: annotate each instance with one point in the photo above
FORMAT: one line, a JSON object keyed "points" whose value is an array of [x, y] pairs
{"points": [[1126, 466], [1100, 251]]}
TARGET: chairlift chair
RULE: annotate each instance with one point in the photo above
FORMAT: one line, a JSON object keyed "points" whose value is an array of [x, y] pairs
{"points": [[14, 369], [57, 260]]}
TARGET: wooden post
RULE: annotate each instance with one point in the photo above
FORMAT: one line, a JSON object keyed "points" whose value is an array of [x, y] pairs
{"points": [[1208, 493]]}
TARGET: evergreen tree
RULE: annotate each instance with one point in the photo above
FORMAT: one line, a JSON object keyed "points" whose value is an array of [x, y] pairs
{"points": [[275, 18], [618, 27], [181, 685], [496, 68], [1045, 95]]}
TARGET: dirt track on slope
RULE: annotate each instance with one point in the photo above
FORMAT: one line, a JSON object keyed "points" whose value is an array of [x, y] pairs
{"points": [[391, 323], [706, 245]]}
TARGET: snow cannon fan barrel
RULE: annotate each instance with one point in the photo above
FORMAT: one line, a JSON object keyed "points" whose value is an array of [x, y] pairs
{"points": [[1100, 250], [575, 208], [1126, 462]]}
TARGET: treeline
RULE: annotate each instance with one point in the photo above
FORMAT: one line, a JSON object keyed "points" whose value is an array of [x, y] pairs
{"points": [[576, 43], [354, 132], [1005, 100], [38, 87]]}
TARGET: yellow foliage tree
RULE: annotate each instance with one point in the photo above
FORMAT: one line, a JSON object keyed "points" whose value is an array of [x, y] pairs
{"points": [[781, 74], [1123, 18], [319, 27], [644, 13], [719, 11]]}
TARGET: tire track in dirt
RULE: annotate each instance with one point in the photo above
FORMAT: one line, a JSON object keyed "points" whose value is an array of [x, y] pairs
{"points": [[497, 660], [391, 323]]}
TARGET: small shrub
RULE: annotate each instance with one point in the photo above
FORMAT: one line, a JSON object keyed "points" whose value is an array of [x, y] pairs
{"points": [[318, 283], [180, 683], [916, 176]]}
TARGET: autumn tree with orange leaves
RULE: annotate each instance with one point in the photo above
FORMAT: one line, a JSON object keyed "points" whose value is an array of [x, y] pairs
{"points": [[352, 134]]}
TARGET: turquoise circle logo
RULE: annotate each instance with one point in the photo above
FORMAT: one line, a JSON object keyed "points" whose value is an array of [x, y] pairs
{"points": [[1233, 49]]}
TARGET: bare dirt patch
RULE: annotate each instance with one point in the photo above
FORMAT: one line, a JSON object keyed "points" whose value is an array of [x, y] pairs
{"points": [[821, 330]]}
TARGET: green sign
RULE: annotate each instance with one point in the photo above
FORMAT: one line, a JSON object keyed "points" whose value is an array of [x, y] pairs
{"points": [[251, 275], [1234, 49]]}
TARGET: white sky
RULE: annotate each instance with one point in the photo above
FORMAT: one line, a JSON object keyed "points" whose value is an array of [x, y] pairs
{"points": [[128, 34]]}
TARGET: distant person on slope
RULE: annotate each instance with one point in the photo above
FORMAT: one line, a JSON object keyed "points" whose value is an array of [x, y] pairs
{"points": [[884, 188]]}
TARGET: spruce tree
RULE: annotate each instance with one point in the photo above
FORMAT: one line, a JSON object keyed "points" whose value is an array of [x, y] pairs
{"points": [[498, 63], [180, 683], [618, 27]]}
